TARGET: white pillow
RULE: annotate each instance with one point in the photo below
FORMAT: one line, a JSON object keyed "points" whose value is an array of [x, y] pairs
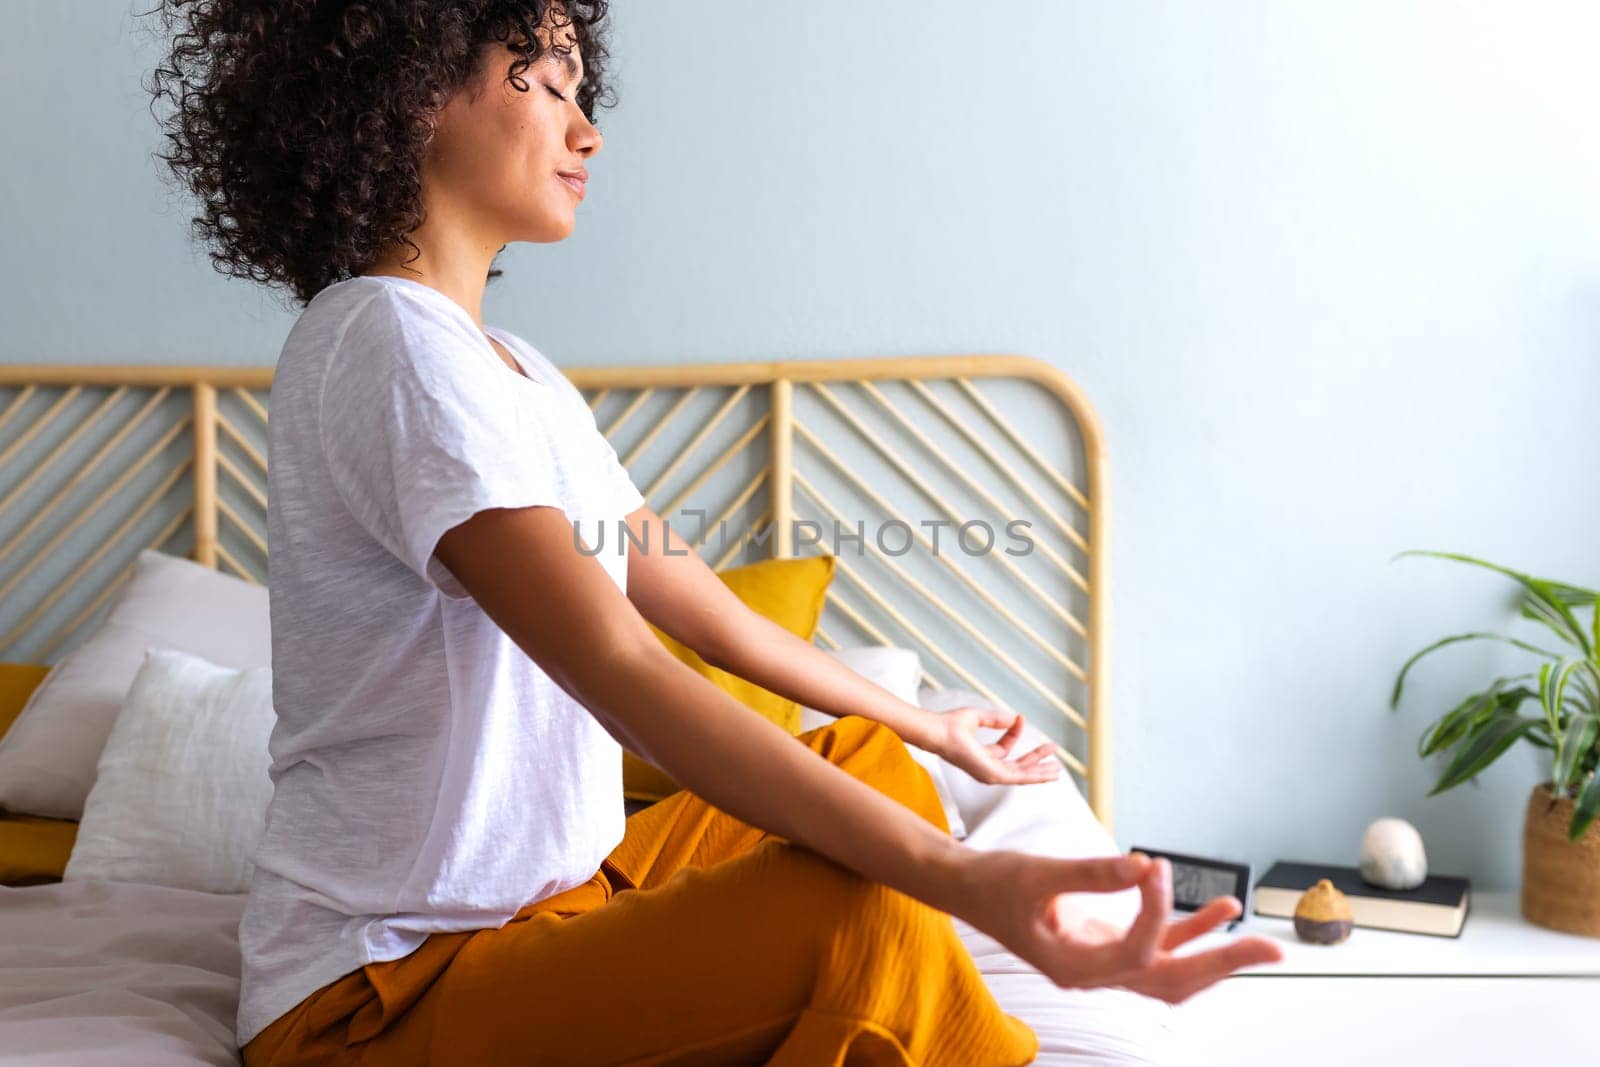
{"points": [[182, 791], [47, 758], [899, 670]]}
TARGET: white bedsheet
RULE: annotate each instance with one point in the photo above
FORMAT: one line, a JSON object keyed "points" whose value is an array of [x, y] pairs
{"points": [[117, 974], [109, 973]]}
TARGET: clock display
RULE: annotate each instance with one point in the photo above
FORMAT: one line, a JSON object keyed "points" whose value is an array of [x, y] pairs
{"points": [[1196, 885], [1199, 879]]}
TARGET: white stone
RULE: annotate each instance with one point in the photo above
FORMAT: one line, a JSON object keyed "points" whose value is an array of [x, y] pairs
{"points": [[1392, 855]]}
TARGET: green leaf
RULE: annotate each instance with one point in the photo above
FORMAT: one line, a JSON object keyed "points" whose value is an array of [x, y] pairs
{"points": [[1551, 716], [1588, 806], [1544, 601], [1472, 712], [1564, 671], [1449, 728], [1584, 681], [1575, 744], [1558, 617], [1573, 596], [1394, 699], [1482, 747]]}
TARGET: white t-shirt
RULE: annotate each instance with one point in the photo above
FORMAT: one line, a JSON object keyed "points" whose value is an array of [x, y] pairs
{"points": [[428, 775]]}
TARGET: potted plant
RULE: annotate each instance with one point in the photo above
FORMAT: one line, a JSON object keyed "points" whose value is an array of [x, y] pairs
{"points": [[1560, 839]]}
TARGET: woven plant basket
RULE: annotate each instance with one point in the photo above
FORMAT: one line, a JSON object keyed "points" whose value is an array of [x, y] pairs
{"points": [[1560, 878]]}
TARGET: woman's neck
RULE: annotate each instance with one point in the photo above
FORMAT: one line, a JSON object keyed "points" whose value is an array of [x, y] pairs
{"points": [[452, 259]]}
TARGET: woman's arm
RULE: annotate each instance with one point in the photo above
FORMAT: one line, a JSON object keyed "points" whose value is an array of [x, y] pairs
{"points": [[559, 605], [677, 591], [589, 638]]}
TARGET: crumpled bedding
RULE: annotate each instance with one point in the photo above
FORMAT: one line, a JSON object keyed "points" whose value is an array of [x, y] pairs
{"points": [[119, 974]]}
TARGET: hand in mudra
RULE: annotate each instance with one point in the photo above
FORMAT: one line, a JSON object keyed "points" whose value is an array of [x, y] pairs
{"points": [[1025, 903], [956, 741]]}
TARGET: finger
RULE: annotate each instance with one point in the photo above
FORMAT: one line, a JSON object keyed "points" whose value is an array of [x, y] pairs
{"points": [[1003, 744], [1032, 776], [1102, 874], [1144, 936], [1012, 730], [1017, 773], [1044, 751], [994, 717], [1212, 914], [1177, 978]]}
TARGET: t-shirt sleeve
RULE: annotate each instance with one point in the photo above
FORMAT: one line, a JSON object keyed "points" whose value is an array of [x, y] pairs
{"points": [[419, 435], [625, 496], [620, 495]]}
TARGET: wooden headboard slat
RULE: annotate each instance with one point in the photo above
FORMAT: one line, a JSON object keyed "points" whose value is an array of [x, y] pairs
{"points": [[706, 439]]}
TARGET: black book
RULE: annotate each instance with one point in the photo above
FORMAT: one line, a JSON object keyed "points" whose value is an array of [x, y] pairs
{"points": [[1438, 906]]}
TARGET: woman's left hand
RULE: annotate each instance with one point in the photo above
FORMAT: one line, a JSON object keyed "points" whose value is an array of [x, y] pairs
{"points": [[955, 738]]}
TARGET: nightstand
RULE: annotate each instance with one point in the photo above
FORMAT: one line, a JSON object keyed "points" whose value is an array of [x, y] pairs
{"points": [[1503, 994]]}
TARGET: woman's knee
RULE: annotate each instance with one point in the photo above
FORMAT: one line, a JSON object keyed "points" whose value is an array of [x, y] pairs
{"points": [[850, 734], [877, 755], [847, 902]]}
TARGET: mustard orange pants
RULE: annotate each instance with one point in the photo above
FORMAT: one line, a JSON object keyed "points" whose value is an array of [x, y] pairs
{"points": [[700, 940]]}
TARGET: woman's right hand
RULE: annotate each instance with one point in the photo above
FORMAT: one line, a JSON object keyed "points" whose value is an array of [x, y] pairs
{"points": [[1023, 901]]}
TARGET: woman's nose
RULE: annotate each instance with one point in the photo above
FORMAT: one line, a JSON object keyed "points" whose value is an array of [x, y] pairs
{"points": [[584, 138]]}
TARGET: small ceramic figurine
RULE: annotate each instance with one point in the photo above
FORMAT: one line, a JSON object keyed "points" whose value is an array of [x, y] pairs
{"points": [[1392, 856], [1322, 915]]}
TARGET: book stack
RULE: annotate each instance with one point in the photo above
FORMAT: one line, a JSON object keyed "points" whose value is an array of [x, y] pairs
{"points": [[1438, 906]]}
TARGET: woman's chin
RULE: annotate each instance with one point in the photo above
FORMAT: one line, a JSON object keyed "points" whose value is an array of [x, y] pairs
{"points": [[546, 230]]}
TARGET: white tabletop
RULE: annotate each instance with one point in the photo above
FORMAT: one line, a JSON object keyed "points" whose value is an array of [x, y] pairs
{"points": [[1496, 940]]}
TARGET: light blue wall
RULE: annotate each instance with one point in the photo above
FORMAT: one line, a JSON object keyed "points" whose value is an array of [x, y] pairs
{"points": [[1331, 275]]}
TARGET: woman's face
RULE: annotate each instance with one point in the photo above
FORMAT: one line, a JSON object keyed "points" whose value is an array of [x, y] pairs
{"points": [[509, 164]]}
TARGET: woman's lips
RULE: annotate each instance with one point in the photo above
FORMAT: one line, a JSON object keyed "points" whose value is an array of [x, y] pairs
{"points": [[575, 184]]}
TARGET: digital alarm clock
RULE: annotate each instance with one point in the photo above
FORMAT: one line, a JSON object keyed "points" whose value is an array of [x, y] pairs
{"points": [[1198, 879]]}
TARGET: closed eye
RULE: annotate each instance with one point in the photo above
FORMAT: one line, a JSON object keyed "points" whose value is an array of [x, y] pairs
{"points": [[554, 92]]}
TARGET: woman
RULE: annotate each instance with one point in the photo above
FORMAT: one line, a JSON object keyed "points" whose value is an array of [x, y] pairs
{"points": [[446, 874]]}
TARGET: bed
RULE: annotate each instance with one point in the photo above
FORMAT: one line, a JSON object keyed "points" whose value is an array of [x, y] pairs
{"points": [[964, 499]]}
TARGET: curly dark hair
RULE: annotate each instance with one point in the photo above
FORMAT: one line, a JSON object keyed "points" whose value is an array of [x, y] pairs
{"points": [[301, 124]]}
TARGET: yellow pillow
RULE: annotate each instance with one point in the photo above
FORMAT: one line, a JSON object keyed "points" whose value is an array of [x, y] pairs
{"points": [[791, 592], [17, 683], [32, 849]]}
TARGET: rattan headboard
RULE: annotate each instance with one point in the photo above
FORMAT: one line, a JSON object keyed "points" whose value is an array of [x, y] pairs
{"points": [[964, 496]]}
